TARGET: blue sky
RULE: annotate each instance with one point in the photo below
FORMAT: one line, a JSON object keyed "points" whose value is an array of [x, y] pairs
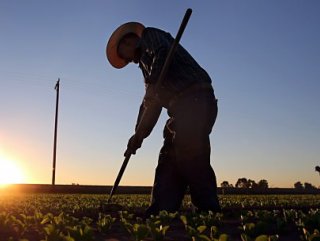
{"points": [[263, 57]]}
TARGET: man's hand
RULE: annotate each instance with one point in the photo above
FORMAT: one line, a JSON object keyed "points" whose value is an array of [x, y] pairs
{"points": [[134, 143]]}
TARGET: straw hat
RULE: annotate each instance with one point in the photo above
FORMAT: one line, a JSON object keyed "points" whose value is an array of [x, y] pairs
{"points": [[117, 35]]}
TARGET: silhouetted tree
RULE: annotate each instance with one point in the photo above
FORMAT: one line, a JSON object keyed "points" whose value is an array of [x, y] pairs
{"points": [[298, 186], [225, 184], [242, 183], [309, 186], [252, 184], [263, 184], [317, 168]]}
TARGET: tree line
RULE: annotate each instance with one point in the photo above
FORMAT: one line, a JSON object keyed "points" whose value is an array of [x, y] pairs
{"points": [[305, 186], [247, 183], [263, 184]]}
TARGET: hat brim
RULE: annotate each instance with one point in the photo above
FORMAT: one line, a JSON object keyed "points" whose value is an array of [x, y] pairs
{"points": [[112, 46]]}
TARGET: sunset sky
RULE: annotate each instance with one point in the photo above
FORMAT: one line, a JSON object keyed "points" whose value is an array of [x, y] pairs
{"points": [[263, 57]]}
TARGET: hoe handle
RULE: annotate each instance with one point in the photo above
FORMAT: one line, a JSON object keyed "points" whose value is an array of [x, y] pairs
{"points": [[174, 45], [116, 183]]}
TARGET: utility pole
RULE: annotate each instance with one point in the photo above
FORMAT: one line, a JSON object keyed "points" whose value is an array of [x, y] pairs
{"points": [[55, 134]]}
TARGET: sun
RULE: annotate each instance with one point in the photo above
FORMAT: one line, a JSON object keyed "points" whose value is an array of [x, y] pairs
{"points": [[10, 173]]}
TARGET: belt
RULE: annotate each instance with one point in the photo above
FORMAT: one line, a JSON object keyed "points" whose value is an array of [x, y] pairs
{"points": [[191, 89]]}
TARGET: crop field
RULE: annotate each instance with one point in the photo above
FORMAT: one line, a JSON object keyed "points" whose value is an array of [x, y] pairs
{"points": [[85, 217]]}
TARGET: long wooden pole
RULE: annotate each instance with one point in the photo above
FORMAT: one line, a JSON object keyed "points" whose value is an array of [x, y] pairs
{"points": [[173, 48], [55, 134]]}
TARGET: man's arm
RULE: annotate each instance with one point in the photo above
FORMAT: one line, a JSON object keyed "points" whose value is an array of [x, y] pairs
{"points": [[141, 110], [149, 113]]}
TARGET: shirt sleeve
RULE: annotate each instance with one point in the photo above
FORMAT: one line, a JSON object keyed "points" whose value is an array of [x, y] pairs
{"points": [[149, 113]]}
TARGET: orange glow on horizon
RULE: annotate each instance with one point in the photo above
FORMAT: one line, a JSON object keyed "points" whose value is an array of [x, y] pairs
{"points": [[10, 172]]}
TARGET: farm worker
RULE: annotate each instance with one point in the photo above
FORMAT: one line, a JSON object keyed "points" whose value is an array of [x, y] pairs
{"points": [[188, 96]]}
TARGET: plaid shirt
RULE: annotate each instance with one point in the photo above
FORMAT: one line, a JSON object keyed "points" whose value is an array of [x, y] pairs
{"points": [[183, 72]]}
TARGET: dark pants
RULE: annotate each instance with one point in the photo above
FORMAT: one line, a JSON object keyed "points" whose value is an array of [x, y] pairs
{"points": [[184, 159]]}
